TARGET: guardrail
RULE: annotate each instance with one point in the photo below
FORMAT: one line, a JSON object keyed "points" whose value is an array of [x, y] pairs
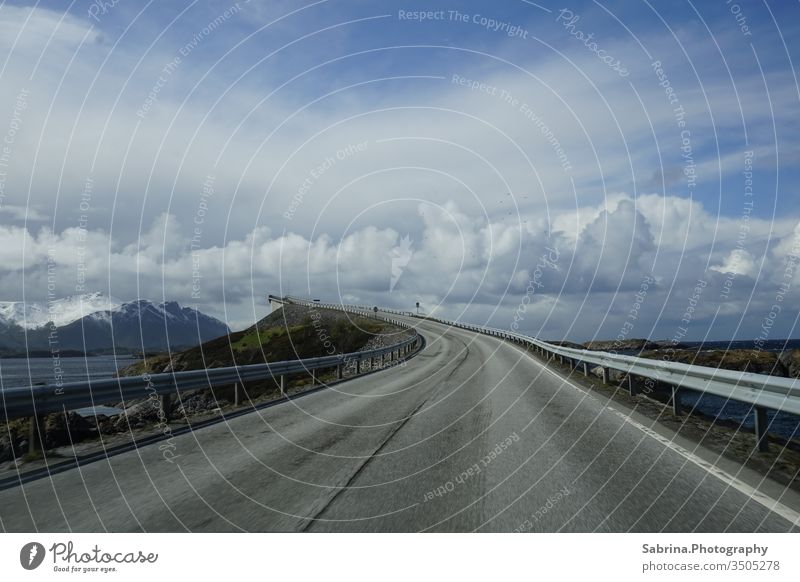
{"points": [[762, 392], [360, 309], [37, 401]]}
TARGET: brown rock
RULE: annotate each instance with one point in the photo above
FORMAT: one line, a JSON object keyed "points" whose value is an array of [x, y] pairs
{"points": [[756, 361], [791, 361], [630, 345], [64, 429]]}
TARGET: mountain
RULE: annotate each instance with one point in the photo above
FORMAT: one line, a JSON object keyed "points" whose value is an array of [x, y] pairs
{"points": [[35, 314], [136, 325]]}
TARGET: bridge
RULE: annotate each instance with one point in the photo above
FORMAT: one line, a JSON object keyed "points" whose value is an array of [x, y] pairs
{"points": [[460, 428]]}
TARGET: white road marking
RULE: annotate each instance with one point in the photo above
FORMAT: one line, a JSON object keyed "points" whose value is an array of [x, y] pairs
{"points": [[773, 505]]}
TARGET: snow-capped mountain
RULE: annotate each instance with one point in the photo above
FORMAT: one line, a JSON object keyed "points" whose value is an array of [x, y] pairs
{"points": [[135, 325], [35, 314], [144, 325]]}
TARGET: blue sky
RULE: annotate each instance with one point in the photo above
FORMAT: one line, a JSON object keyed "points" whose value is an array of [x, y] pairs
{"points": [[465, 130]]}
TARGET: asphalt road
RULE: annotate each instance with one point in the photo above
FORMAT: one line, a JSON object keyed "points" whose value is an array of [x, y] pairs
{"points": [[472, 434]]}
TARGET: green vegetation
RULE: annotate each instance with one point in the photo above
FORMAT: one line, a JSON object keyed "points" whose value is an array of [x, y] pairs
{"points": [[255, 338], [291, 333]]}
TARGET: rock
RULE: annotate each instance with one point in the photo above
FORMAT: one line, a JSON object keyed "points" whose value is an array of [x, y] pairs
{"points": [[791, 361], [199, 402], [566, 344], [755, 361], [613, 375], [630, 345], [6, 449], [667, 344], [14, 439], [65, 429], [106, 425], [139, 415]]}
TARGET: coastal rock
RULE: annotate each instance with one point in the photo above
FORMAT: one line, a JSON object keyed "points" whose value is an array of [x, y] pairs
{"points": [[8, 448], [566, 344], [629, 345], [667, 344], [65, 429], [613, 375], [198, 403], [139, 415], [755, 361], [791, 361], [59, 430]]}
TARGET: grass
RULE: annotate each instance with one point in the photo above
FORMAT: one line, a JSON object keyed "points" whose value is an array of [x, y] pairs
{"points": [[257, 338]]}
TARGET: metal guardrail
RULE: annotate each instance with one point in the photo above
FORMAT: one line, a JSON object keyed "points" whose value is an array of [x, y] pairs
{"points": [[761, 391], [36, 401], [360, 309]]}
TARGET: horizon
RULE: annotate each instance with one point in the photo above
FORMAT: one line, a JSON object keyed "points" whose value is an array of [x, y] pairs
{"points": [[552, 339]]}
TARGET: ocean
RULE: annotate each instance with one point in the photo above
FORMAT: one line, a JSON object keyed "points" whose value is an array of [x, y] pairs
{"points": [[785, 425], [776, 345], [780, 423], [20, 372]]}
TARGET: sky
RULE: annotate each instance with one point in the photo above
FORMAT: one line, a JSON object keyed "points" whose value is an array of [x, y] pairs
{"points": [[573, 170]]}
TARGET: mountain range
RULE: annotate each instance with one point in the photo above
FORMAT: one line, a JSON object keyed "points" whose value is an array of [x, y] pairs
{"points": [[96, 323]]}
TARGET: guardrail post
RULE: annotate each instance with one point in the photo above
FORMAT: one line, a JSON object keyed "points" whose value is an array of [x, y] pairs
{"points": [[358, 366], [604, 371], [166, 405], [283, 385], [36, 435], [236, 394], [631, 385], [585, 369], [339, 371], [761, 429], [676, 401], [313, 377]]}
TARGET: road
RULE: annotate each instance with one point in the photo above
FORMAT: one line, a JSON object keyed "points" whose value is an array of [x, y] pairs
{"points": [[473, 434]]}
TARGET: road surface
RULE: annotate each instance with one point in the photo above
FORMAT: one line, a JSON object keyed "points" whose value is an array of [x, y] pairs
{"points": [[473, 434]]}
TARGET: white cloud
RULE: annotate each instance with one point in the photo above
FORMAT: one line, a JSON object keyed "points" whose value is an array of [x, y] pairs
{"points": [[22, 213], [738, 262], [438, 167], [459, 262]]}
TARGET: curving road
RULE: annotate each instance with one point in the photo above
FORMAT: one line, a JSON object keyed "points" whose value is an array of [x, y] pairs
{"points": [[471, 434]]}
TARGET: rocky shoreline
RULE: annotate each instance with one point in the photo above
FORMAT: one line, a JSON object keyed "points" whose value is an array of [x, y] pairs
{"points": [[785, 364], [291, 333]]}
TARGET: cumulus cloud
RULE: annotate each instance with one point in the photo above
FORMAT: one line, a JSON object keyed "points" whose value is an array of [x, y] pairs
{"points": [[23, 213], [738, 262], [459, 265], [472, 180]]}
